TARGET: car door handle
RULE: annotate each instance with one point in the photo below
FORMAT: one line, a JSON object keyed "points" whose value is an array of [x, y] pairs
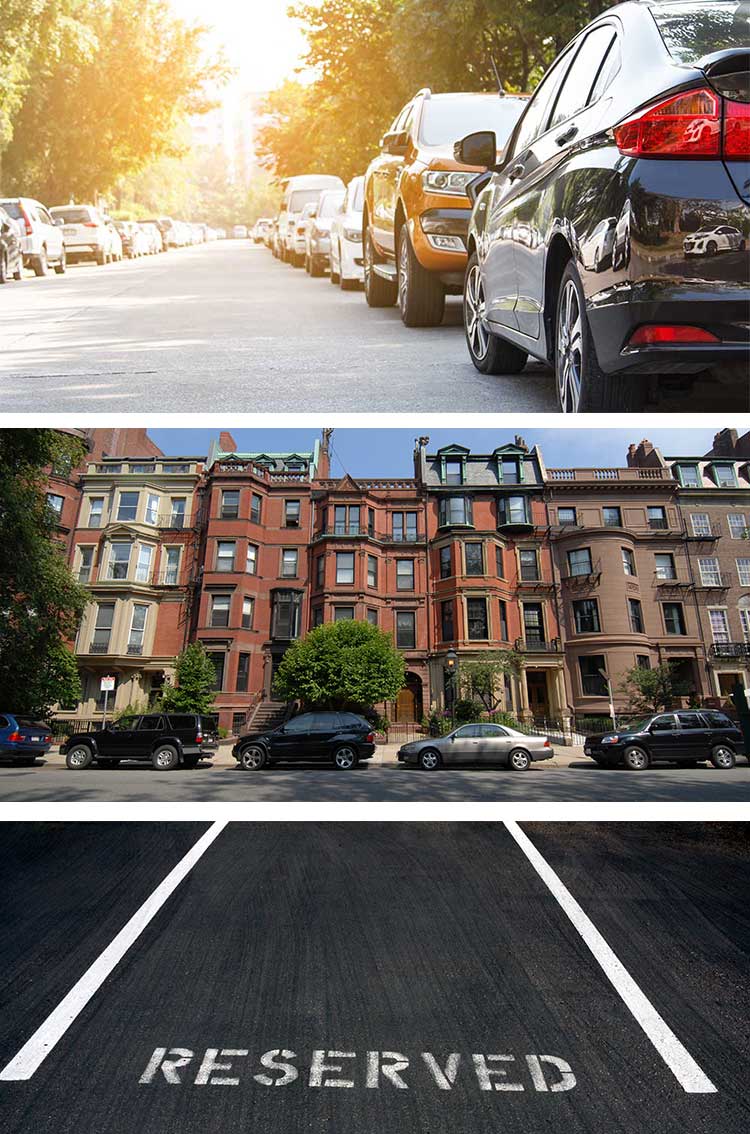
{"points": [[567, 135], [516, 172]]}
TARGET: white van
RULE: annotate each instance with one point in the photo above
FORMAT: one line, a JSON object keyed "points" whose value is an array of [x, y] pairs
{"points": [[298, 192]]}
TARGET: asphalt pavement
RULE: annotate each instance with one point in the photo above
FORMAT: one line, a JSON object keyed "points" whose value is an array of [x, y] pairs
{"points": [[228, 322], [402, 977]]}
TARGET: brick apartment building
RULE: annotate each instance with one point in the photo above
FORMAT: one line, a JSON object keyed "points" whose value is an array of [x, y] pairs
{"points": [[585, 571]]}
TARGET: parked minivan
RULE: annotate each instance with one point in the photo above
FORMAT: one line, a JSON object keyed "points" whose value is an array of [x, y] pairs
{"points": [[41, 237], [298, 192]]}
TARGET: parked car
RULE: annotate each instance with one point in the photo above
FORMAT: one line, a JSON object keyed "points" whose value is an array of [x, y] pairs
{"points": [[482, 743], [299, 233], [416, 206], [85, 233], [684, 737], [221, 234], [11, 256], [152, 237], [642, 117], [115, 242], [22, 739], [318, 232], [166, 740], [342, 739], [260, 230], [298, 192], [346, 237], [42, 241], [707, 242], [163, 224], [239, 232]]}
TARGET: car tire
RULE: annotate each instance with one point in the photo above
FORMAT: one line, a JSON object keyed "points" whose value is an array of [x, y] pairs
{"points": [[333, 275], [379, 292], [3, 269], [316, 268], [722, 756], [489, 353], [636, 758], [101, 258], [61, 264], [307, 264], [519, 760], [165, 758], [79, 757], [421, 295], [41, 264], [429, 759], [345, 758], [581, 384], [742, 246], [253, 757], [18, 274], [712, 248]]}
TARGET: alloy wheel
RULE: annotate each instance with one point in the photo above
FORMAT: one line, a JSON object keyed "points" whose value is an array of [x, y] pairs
{"points": [[78, 757], [475, 314], [253, 758], [164, 758], [569, 349], [519, 761], [430, 761], [345, 758], [403, 271], [723, 757]]}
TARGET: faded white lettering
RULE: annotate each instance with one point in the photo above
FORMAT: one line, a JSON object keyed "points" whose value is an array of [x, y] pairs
{"points": [[493, 1078], [445, 1077], [168, 1064], [567, 1079], [210, 1064], [269, 1059], [376, 1066], [319, 1067]]}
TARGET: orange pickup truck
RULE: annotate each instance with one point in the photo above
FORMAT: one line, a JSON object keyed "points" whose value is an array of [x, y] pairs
{"points": [[416, 208]]}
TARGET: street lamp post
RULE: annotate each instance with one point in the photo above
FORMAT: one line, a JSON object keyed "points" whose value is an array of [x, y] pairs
{"points": [[451, 667]]}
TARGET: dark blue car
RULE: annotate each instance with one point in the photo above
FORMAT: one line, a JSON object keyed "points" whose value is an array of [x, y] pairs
{"points": [[22, 740]]}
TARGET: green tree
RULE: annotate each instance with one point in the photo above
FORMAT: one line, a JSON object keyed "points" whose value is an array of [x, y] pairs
{"points": [[651, 690], [341, 665], [40, 602], [195, 682], [484, 679]]}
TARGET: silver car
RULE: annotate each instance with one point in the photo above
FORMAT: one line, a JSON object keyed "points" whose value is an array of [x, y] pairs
{"points": [[478, 744]]}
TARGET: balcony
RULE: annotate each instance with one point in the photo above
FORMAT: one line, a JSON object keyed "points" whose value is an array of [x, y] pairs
{"points": [[674, 581], [531, 646], [617, 474], [711, 533], [723, 651], [135, 648], [99, 648]]}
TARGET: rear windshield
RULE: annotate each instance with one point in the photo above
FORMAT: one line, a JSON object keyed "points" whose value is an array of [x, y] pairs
{"points": [[301, 197], [27, 722], [13, 209], [447, 120], [692, 30], [181, 722], [72, 216], [208, 724]]}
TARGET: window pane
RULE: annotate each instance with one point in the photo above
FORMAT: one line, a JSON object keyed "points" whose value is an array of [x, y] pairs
{"points": [[405, 574], [405, 629], [344, 567], [474, 559], [476, 615]]}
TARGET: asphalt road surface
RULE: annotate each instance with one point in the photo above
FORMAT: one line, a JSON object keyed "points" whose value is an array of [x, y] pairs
{"points": [[225, 326], [580, 782], [410, 978]]}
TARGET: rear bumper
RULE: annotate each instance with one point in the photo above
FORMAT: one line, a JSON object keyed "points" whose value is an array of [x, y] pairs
{"points": [[366, 751], [21, 749], [544, 754]]}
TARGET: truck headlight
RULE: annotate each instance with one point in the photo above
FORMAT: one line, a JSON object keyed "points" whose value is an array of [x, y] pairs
{"points": [[445, 181]]}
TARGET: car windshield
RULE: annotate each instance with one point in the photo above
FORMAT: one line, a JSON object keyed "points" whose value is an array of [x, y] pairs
{"points": [[13, 209], [301, 197], [634, 726], [445, 121], [72, 216], [692, 30]]}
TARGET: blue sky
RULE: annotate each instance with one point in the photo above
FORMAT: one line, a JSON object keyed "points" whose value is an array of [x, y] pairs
{"points": [[388, 452]]}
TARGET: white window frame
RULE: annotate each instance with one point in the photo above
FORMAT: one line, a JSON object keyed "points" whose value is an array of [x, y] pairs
{"points": [[744, 578], [743, 528], [699, 529], [153, 503], [710, 571], [98, 512], [225, 561], [128, 492], [111, 559], [251, 559], [294, 553], [80, 549], [724, 634], [143, 570], [138, 630], [170, 551]]}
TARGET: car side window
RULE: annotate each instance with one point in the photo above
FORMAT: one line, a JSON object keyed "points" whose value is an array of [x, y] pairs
{"points": [[491, 730], [718, 720], [125, 724], [533, 120], [150, 723], [44, 215], [323, 722], [466, 731], [609, 68], [4, 722], [689, 720], [574, 93], [663, 724], [299, 724]]}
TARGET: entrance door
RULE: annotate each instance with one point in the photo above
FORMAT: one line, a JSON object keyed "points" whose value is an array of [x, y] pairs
{"points": [[406, 706], [536, 686], [727, 682]]}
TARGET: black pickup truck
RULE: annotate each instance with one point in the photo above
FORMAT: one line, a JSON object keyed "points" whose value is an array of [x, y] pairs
{"points": [[166, 740]]}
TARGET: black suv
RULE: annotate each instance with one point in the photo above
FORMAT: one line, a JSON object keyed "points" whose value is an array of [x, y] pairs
{"points": [[341, 738], [165, 739], [684, 737]]}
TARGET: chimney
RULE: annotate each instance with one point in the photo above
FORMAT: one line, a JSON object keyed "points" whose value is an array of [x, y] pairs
{"points": [[644, 455], [227, 443], [725, 444], [520, 443], [420, 465], [323, 470]]}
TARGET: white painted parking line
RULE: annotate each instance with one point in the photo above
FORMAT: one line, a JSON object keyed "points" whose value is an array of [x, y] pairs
{"points": [[676, 1056], [35, 1050]]}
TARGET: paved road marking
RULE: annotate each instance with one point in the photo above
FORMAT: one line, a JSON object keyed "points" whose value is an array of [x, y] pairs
{"points": [[677, 1058], [35, 1050]]}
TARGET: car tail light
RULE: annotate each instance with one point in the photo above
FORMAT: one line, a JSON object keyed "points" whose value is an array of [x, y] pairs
{"points": [[736, 129], [199, 738], [90, 224], [655, 333], [370, 738], [26, 221], [685, 125], [15, 737], [546, 743]]}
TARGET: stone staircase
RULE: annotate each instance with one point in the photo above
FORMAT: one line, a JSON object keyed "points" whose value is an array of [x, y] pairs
{"points": [[267, 715]]}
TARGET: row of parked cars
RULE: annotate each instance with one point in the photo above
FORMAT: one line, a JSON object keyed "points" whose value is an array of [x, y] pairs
{"points": [[343, 739], [38, 238], [600, 225]]}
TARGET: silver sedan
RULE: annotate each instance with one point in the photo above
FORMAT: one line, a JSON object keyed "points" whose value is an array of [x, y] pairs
{"points": [[478, 744]]}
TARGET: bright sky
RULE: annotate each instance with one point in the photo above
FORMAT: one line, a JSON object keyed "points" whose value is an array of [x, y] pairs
{"points": [[388, 452], [258, 37]]}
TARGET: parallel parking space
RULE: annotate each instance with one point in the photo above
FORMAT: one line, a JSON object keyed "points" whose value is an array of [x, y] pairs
{"points": [[373, 970]]}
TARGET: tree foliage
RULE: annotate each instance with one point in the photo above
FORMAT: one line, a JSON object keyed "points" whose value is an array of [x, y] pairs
{"points": [[484, 679], [652, 690], [99, 94], [195, 682], [368, 57], [40, 602], [341, 665]]}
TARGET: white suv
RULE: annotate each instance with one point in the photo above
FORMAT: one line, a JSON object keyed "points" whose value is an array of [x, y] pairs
{"points": [[85, 232], [347, 263], [41, 237]]}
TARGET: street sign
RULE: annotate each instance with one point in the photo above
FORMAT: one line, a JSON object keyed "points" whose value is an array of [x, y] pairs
{"points": [[107, 684]]}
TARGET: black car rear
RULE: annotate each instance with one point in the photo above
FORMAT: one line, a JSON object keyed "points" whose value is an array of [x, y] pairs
{"points": [[340, 738], [687, 736], [637, 137]]}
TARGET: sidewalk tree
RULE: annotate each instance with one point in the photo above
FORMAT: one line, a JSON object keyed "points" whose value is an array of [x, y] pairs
{"points": [[652, 690], [194, 689], [484, 679], [341, 665], [40, 602]]}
